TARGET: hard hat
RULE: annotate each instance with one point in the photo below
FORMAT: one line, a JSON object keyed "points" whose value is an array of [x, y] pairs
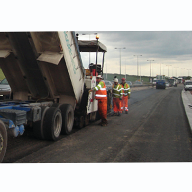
{"points": [[116, 80], [99, 76], [123, 79]]}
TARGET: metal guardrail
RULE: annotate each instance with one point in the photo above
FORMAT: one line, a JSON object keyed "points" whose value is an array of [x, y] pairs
{"points": [[144, 85]]}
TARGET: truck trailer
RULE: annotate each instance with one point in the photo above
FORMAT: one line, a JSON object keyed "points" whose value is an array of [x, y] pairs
{"points": [[49, 84]]}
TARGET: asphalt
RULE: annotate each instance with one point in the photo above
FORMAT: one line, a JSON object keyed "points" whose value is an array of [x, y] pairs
{"points": [[156, 131]]}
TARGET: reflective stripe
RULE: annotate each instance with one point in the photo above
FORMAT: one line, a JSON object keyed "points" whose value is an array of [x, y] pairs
{"points": [[96, 88], [100, 95], [115, 94], [99, 85], [117, 89], [103, 89]]}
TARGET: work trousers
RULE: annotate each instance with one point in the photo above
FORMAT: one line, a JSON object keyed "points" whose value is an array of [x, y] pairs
{"points": [[124, 103], [102, 109], [116, 104]]}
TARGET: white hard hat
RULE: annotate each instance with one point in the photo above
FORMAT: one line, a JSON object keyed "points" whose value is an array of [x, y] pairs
{"points": [[99, 76], [116, 80]]}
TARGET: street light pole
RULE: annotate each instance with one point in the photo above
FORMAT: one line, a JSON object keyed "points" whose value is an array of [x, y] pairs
{"points": [[160, 68], [138, 66], [168, 69], [182, 71], [188, 71], [176, 70], [120, 58], [125, 69], [150, 66]]}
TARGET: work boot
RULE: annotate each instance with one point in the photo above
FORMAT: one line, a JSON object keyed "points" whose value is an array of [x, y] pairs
{"points": [[119, 114], [126, 112], [104, 124]]}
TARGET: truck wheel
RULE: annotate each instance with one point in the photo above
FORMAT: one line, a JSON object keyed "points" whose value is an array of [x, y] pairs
{"points": [[38, 126], [52, 124], [3, 140], [67, 112]]}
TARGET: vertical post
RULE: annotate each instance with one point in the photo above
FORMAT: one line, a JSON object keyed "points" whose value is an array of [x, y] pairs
{"points": [[150, 66], [138, 66], [96, 56], [125, 69], [120, 63], [140, 73], [103, 63]]}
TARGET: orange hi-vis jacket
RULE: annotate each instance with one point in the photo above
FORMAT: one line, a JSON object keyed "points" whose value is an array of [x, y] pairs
{"points": [[101, 92]]}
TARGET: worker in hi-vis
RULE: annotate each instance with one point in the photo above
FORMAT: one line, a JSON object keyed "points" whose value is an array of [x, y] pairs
{"points": [[116, 90], [101, 96], [125, 93]]}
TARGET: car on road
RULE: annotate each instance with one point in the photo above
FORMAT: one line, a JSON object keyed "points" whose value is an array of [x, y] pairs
{"points": [[138, 83], [5, 89], [167, 84], [188, 85], [129, 82], [154, 82], [108, 85]]}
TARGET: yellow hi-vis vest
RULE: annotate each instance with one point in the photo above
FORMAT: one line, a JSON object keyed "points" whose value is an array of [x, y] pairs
{"points": [[125, 89], [117, 91]]}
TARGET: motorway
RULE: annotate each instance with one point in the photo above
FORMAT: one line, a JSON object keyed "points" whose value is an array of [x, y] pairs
{"points": [[155, 130]]}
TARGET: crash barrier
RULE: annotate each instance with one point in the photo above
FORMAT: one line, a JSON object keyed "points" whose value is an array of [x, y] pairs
{"points": [[144, 85]]}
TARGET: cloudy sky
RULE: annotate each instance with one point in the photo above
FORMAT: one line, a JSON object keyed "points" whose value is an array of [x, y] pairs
{"points": [[164, 47]]}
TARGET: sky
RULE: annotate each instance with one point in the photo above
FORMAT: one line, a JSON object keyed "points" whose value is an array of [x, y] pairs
{"points": [[170, 50]]}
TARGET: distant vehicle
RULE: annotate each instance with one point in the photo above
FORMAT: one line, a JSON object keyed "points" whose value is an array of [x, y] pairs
{"points": [[180, 80], [108, 85], [160, 82], [167, 84], [172, 82], [129, 82], [154, 82], [138, 83], [188, 85], [5, 89]]}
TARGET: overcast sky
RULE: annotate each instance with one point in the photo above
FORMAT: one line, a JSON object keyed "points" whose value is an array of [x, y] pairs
{"points": [[164, 47]]}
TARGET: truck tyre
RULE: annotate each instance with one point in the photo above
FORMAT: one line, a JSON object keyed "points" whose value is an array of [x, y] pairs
{"points": [[52, 124], [38, 126], [67, 112], [3, 140]]}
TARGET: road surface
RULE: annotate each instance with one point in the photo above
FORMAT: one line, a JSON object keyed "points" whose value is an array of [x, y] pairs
{"points": [[155, 130]]}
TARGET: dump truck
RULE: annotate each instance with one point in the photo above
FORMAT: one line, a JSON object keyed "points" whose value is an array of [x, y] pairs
{"points": [[49, 84], [160, 82]]}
